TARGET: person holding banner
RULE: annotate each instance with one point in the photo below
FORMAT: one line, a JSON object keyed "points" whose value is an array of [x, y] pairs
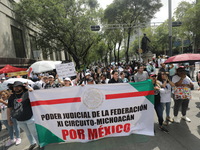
{"points": [[19, 107], [157, 104]]}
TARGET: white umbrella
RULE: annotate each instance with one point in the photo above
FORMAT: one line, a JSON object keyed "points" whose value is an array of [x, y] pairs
{"points": [[44, 66], [12, 80]]}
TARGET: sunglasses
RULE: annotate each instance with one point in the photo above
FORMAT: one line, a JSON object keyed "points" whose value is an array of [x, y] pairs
{"points": [[153, 76]]}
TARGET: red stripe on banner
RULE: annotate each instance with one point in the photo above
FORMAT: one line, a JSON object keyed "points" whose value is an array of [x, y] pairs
{"points": [[56, 101], [127, 95]]}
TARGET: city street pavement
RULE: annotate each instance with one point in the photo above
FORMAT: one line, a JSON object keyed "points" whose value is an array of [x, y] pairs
{"points": [[183, 136]]}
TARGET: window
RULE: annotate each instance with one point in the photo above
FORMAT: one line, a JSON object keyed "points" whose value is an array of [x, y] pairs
{"points": [[33, 45], [18, 42]]}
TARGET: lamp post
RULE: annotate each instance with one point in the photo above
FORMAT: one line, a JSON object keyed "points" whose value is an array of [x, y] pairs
{"points": [[170, 26]]}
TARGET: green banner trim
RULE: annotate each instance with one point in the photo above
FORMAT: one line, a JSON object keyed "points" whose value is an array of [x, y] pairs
{"points": [[146, 85], [45, 136]]}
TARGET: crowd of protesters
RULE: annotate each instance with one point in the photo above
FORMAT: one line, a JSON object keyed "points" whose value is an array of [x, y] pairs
{"points": [[170, 82]]}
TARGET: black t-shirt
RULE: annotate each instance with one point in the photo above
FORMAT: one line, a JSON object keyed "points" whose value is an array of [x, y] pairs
{"points": [[21, 99], [114, 81]]}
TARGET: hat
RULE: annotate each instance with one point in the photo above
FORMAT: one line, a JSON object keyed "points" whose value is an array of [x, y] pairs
{"points": [[153, 75], [67, 79], [3, 78], [87, 74], [51, 76], [18, 83], [181, 68]]}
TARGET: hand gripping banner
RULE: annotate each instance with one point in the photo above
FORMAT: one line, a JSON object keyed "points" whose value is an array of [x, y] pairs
{"points": [[92, 112]]}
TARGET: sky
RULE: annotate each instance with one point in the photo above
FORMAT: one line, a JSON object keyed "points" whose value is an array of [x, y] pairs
{"points": [[160, 16]]}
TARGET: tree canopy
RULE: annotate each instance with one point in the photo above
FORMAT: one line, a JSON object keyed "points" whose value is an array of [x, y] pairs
{"points": [[131, 13], [63, 25]]}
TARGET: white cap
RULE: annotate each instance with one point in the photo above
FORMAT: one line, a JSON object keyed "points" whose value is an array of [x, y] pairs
{"points": [[3, 78], [67, 79], [51, 76], [87, 74]]}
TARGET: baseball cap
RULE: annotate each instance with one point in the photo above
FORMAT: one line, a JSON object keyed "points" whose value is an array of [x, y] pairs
{"points": [[51, 76], [3, 78], [87, 74], [153, 75], [67, 79], [180, 68]]}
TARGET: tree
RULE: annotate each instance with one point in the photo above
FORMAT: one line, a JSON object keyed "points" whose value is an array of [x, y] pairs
{"points": [[63, 24], [130, 13], [189, 15]]}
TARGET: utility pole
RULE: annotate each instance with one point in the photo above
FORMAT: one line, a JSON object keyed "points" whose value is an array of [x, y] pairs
{"points": [[170, 26], [139, 44]]}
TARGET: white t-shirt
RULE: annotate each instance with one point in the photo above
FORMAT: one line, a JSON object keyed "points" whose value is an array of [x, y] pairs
{"points": [[165, 94], [3, 111], [176, 78]]}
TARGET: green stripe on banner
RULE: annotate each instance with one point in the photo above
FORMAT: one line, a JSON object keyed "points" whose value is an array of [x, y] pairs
{"points": [[146, 85], [46, 137]]}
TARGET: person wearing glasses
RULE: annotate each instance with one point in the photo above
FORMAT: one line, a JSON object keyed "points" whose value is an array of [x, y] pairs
{"points": [[157, 103]]}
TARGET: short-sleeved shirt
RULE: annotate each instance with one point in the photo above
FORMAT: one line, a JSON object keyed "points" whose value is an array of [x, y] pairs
{"points": [[141, 77], [182, 92], [15, 100]]}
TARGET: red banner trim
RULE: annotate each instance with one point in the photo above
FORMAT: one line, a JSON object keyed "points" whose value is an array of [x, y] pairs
{"points": [[56, 101], [127, 95]]}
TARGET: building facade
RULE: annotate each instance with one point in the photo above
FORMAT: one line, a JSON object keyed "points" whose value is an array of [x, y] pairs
{"points": [[18, 42]]}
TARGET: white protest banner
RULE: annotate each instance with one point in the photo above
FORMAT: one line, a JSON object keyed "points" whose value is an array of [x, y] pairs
{"points": [[66, 70], [92, 112]]}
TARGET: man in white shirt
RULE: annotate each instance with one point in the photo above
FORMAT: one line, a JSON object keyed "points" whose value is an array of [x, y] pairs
{"points": [[141, 75]]}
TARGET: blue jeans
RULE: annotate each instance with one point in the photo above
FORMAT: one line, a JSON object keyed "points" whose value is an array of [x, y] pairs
{"points": [[29, 128], [159, 112], [166, 106], [11, 129]]}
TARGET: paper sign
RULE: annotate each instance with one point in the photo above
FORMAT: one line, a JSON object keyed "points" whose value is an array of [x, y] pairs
{"points": [[66, 70]]}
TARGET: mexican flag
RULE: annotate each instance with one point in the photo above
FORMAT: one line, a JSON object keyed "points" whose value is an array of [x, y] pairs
{"points": [[92, 112]]}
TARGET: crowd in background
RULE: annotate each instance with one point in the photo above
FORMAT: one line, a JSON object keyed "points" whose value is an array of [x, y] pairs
{"points": [[169, 82]]}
